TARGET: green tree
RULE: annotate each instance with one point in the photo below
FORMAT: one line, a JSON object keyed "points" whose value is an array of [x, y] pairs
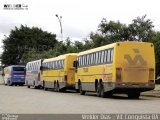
{"points": [[156, 41], [24, 39], [141, 29]]}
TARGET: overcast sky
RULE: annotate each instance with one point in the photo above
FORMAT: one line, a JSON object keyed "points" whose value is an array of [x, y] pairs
{"points": [[79, 17]]}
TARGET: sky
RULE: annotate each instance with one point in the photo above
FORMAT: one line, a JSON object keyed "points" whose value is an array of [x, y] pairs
{"points": [[79, 17]]}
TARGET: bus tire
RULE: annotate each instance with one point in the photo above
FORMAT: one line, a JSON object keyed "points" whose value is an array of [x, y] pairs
{"points": [[44, 87], [77, 90], [98, 90], [134, 95], [28, 86], [9, 83], [103, 95], [34, 86], [108, 94], [80, 89], [57, 87], [54, 86]]}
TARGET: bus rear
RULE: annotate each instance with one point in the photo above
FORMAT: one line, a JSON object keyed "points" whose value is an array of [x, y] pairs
{"points": [[18, 75], [135, 67]]}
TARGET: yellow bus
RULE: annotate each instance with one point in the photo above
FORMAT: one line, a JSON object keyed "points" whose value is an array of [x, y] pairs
{"points": [[122, 67], [58, 72]]}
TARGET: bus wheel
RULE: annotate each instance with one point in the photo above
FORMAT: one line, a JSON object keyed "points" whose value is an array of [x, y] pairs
{"points": [[108, 94], [57, 87], [28, 86], [77, 90], [9, 83], [54, 86], [80, 89], [134, 95], [34, 85], [98, 90], [44, 87], [102, 91]]}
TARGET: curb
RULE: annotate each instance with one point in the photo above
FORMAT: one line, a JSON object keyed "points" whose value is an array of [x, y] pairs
{"points": [[154, 93], [157, 96]]}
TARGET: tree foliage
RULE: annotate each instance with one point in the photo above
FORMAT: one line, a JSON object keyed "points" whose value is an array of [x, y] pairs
{"points": [[141, 29], [24, 39]]}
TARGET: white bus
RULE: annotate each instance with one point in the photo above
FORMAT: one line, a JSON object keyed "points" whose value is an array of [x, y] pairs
{"points": [[33, 74]]}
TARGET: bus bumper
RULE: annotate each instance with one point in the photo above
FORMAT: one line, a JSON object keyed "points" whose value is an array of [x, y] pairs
{"points": [[125, 87]]}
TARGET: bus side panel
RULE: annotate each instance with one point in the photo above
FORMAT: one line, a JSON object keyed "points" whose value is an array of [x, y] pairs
{"points": [[90, 75]]}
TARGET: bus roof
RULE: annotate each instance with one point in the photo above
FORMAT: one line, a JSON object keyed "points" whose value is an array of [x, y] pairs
{"points": [[60, 57], [108, 46], [34, 61], [14, 66]]}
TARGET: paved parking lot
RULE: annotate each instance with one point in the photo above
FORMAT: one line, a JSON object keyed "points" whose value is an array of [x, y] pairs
{"points": [[16, 99]]}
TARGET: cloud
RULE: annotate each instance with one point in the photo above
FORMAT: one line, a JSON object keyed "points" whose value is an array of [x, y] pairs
{"points": [[6, 25]]}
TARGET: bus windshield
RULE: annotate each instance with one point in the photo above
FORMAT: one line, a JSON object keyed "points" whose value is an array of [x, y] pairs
{"points": [[18, 68]]}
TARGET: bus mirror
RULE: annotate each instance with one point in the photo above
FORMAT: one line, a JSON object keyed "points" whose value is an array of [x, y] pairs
{"points": [[41, 67], [75, 64]]}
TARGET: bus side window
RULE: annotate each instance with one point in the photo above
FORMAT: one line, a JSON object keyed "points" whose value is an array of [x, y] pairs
{"points": [[99, 57], [96, 60], [81, 60], [105, 56], [53, 65], [59, 64], [55, 62], [56, 65], [89, 59], [112, 50], [109, 56], [63, 63], [102, 57], [85, 60], [78, 60]]}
